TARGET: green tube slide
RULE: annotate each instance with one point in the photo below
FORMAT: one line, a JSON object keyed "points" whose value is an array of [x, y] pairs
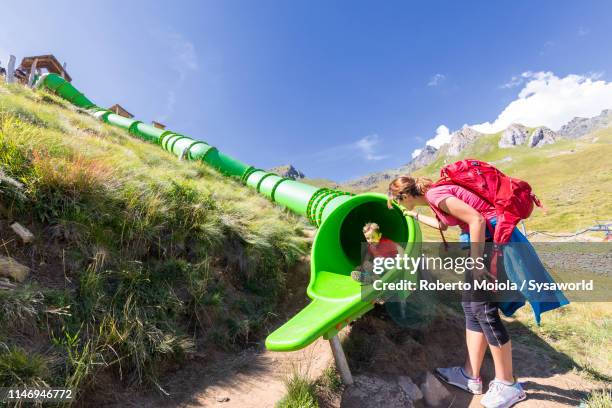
{"points": [[340, 216]]}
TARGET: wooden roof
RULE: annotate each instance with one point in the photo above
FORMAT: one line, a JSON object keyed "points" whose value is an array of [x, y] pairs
{"points": [[46, 61], [158, 125], [120, 110]]}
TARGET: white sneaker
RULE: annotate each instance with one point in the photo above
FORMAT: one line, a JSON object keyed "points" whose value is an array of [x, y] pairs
{"points": [[455, 376], [501, 395]]}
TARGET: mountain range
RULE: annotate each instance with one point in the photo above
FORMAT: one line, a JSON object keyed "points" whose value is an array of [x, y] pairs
{"points": [[513, 136]]}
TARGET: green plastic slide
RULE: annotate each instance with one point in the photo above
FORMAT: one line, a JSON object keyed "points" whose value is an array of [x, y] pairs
{"points": [[340, 216]]}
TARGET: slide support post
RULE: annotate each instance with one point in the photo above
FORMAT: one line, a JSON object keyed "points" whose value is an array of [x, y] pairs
{"points": [[340, 358]]}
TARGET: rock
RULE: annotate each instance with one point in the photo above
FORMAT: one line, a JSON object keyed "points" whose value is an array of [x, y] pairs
{"points": [[411, 390], [515, 135], [434, 392], [288, 171], [222, 398], [6, 284], [541, 137], [9, 180], [25, 234], [581, 126], [461, 139], [13, 269]]}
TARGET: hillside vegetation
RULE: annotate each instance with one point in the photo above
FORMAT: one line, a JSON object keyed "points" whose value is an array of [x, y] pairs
{"points": [[139, 259]]}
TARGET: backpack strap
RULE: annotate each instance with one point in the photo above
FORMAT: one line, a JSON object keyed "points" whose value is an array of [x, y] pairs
{"points": [[443, 238], [538, 203]]}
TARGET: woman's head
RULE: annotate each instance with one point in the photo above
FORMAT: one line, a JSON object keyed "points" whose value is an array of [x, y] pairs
{"points": [[408, 191]]}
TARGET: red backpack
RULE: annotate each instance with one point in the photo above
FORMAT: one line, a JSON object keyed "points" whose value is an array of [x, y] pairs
{"points": [[511, 197]]}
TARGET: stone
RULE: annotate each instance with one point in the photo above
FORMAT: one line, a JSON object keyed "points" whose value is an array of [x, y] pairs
{"points": [[25, 234], [434, 393], [6, 284], [10, 70], [222, 398], [10, 268], [10, 181], [515, 135], [541, 137], [412, 391]]}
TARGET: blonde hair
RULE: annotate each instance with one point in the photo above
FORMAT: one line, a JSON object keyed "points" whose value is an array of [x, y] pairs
{"points": [[371, 227], [407, 185]]}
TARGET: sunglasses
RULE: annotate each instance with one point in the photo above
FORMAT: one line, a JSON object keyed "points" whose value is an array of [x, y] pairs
{"points": [[396, 197]]}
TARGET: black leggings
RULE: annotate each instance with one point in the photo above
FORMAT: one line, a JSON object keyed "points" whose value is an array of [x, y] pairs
{"points": [[483, 317]]}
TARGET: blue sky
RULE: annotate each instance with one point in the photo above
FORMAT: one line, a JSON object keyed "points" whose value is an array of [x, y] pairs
{"points": [[340, 89]]}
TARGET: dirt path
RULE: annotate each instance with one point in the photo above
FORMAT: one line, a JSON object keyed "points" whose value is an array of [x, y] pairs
{"points": [[251, 379]]}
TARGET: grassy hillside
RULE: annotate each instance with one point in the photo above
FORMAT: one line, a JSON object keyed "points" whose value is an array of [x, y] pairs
{"points": [[138, 258], [572, 177]]}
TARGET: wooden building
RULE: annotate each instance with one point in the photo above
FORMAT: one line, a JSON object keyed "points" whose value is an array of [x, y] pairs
{"points": [[158, 125], [120, 110], [44, 63]]}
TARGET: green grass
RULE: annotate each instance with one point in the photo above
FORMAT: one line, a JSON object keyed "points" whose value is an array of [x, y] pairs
{"points": [[146, 254], [581, 330], [301, 392], [21, 368], [599, 399], [330, 380]]}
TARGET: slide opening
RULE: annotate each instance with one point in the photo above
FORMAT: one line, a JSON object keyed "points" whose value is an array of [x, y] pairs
{"points": [[338, 244], [392, 225]]}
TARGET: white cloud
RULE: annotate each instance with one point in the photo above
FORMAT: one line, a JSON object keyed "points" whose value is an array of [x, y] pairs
{"points": [[582, 31], [441, 137], [364, 148], [367, 146], [548, 46], [436, 80], [547, 100], [516, 80], [183, 60]]}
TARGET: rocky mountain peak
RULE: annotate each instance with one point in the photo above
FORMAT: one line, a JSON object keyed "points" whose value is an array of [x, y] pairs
{"points": [[288, 171], [461, 139], [514, 135], [426, 156], [578, 126]]}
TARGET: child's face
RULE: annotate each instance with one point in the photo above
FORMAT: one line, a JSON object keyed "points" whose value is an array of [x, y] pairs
{"points": [[373, 237]]}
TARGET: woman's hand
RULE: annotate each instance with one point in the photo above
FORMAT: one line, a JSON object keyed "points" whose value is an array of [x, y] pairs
{"points": [[410, 213], [482, 274]]}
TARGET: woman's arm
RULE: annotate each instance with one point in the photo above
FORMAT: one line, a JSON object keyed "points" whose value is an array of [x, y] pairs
{"points": [[476, 222], [427, 220]]}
